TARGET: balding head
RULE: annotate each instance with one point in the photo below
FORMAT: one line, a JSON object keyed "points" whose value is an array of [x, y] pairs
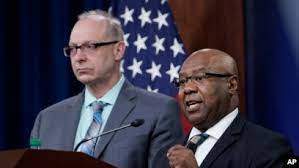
{"points": [[212, 60], [112, 25]]}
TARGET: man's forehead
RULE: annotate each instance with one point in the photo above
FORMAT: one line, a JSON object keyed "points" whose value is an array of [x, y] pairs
{"points": [[195, 62], [87, 30], [202, 63]]}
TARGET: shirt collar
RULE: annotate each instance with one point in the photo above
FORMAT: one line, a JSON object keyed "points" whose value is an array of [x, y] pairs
{"points": [[109, 98], [219, 128]]}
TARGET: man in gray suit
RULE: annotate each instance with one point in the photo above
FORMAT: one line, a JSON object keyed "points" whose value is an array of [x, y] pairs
{"points": [[96, 48]]}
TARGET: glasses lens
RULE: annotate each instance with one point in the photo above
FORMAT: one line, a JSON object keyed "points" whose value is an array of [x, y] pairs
{"points": [[88, 48], [176, 82], [67, 51]]}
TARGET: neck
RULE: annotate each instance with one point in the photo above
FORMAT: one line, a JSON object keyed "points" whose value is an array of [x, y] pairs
{"points": [[223, 110], [100, 88], [234, 102]]}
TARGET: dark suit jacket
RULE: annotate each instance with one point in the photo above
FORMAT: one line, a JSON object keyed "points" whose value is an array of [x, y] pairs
{"points": [[141, 147], [246, 145]]}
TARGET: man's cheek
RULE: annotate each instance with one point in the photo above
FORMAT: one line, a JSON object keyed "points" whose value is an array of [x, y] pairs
{"points": [[181, 97]]}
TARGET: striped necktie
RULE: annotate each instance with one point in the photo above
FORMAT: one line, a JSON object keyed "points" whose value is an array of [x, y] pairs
{"points": [[94, 128], [196, 140]]}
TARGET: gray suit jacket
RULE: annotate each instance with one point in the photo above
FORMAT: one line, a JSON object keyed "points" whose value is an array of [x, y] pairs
{"points": [[140, 147]]}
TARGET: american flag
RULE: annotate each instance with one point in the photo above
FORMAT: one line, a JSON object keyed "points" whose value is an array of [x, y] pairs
{"points": [[154, 51]]}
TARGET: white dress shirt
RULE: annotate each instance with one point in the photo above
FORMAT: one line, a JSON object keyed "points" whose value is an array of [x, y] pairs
{"points": [[215, 132]]}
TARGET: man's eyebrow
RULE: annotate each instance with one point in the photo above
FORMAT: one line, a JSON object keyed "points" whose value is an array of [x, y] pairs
{"points": [[72, 44], [182, 73]]}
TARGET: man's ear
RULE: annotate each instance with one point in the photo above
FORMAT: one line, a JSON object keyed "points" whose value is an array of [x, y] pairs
{"points": [[232, 84], [119, 50]]}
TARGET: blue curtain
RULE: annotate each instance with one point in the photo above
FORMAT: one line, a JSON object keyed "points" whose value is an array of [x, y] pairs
{"points": [[33, 71], [272, 65]]}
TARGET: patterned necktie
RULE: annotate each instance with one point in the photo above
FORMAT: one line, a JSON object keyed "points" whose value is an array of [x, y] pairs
{"points": [[196, 140], [89, 146]]}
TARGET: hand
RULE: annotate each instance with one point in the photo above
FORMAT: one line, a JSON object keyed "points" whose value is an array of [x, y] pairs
{"points": [[181, 157]]}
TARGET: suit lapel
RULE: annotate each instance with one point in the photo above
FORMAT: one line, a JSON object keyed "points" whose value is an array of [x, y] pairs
{"points": [[72, 117], [230, 136], [122, 107]]}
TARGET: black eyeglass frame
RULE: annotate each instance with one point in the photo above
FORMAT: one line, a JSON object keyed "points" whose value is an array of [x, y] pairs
{"points": [[95, 45], [205, 75]]}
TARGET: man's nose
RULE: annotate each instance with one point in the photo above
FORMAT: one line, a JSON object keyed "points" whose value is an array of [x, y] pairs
{"points": [[190, 87]]}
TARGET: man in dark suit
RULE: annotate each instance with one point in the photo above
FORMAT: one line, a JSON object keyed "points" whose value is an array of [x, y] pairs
{"points": [[96, 48], [220, 137]]}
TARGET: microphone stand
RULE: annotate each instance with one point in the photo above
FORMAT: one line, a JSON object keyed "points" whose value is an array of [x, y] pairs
{"points": [[135, 123]]}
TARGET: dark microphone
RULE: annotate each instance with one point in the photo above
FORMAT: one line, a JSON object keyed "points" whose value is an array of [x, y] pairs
{"points": [[135, 123]]}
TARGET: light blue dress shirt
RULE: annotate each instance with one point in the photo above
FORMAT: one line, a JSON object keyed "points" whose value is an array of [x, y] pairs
{"points": [[87, 114]]}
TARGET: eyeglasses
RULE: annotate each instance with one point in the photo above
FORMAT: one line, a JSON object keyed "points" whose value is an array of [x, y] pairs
{"points": [[198, 78], [87, 48]]}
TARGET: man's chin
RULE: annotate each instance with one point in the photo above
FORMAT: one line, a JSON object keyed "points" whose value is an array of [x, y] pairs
{"points": [[196, 119], [85, 80]]}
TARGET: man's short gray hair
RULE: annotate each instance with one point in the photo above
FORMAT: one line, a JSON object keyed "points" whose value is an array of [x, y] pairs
{"points": [[113, 26]]}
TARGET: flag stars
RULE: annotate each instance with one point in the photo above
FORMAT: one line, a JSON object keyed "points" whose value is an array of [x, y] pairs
{"points": [[135, 67], [126, 37], [173, 72], [177, 48], [159, 44], [154, 71], [144, 17], [140, 43], [161, 20], [163, 1], [152, 90], [127, 16], [150, 32]]}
